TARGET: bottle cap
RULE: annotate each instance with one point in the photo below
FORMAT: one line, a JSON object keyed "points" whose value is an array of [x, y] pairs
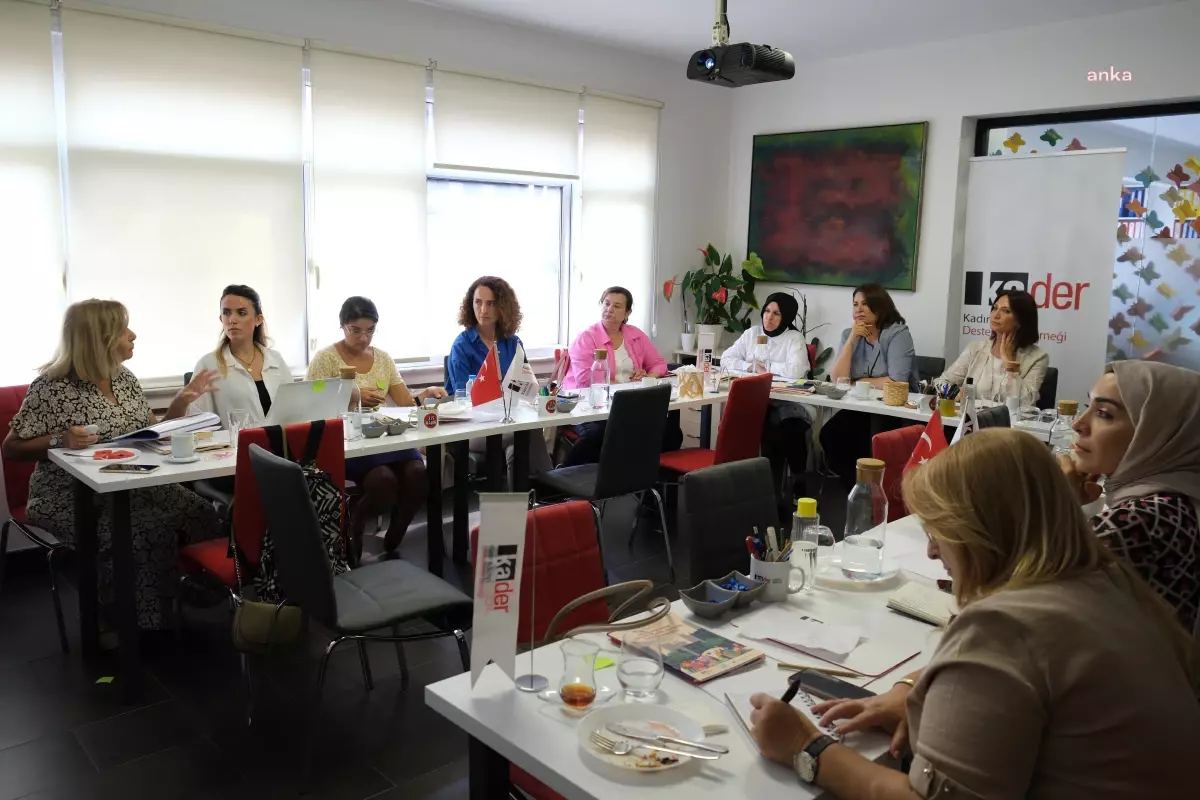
{"points": [[970, 381], [601, 353], [870, 470], [1068, 408], [870, 463], [762, 338], [806, 507]]}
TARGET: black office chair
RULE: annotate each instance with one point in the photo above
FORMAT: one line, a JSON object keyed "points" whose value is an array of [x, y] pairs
{"points": [[993, 417], [1049, 391], [356, 605], [718, 508], [929, 367], [187, 378], [628, 458]]}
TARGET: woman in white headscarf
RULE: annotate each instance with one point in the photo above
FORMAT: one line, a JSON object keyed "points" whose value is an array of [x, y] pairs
{"points": [[1142, 431]]}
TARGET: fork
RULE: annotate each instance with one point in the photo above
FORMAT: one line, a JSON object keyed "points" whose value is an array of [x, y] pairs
{"points": [[623, 748]]}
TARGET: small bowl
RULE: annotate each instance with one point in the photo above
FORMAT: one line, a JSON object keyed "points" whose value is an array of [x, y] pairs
{"points": [[708, 600], [398, 427], [744, 596], [565, 403], [373, 430]]}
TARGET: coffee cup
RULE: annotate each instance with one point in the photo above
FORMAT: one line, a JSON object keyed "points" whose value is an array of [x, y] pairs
{"points": [[861, 391], [781, 578], [546, 405], [429, 413], [183, 445]]}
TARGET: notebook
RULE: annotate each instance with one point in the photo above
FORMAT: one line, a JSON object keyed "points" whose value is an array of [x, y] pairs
{"points": [[696, 654], [739, 704], [204, 421], [924, 603]]}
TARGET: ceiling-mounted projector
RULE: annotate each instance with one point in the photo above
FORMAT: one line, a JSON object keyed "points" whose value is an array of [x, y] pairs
{"points": [[735, 65]]}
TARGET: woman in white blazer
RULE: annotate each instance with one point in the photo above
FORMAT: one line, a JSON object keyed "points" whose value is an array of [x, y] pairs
{"points": [[246, 372], [785, 432]]}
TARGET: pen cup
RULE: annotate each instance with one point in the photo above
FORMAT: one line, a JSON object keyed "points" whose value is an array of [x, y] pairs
{"points": [[781, 578], [546, 404], [946, 407]]}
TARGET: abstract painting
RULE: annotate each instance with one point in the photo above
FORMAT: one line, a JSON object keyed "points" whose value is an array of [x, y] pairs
{"points": [[839, 207]]}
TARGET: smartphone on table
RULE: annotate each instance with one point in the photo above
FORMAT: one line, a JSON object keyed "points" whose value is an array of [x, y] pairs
{"points": [[827, 687], [139, 469]]}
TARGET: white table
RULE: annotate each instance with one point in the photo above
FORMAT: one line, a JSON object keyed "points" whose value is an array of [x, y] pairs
{"points": [[89, 481], [506, 725]]}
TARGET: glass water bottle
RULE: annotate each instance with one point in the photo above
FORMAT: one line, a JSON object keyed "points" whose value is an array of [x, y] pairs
{"points": [[866, 523], [1062, 432], [600, 379]]}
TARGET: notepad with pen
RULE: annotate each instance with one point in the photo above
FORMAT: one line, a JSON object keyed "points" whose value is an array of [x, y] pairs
{"points": [[924, 603]]}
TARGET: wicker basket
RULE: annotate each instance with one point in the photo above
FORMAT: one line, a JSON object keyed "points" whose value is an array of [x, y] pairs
{"points": [[895, 393]]}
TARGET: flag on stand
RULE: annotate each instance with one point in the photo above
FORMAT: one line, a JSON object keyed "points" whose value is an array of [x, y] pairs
{"points": [[933, 441], [487, 383], [970, 420], [520, 379]]}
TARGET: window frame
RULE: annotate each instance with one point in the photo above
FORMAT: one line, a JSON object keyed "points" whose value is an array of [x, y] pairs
{"points": [[985, 125]]}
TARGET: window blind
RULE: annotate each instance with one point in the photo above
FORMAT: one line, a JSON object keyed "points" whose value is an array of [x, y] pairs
{"points": [[31, 253], [620, 175], [185, 153], [369, 186], [495, 124]]}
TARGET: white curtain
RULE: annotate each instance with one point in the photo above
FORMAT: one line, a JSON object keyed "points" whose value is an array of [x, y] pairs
{"points": [[31, 237], [185, 176], [620, 174], [369, 170], [493, 124]]}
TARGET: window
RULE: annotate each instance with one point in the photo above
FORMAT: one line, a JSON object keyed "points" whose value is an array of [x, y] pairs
{"points": [[514, 231], [1158, 215]]}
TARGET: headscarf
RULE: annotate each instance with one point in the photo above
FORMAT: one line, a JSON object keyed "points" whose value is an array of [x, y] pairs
{"points": [[1164, 455], [788, 308]]}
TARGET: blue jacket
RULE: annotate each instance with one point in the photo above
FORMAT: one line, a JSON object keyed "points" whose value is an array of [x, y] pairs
{"points": [[467, 355], [893, 356]]}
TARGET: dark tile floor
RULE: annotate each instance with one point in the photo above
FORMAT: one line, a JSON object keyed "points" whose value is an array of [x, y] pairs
{"points": [[65, 736]]}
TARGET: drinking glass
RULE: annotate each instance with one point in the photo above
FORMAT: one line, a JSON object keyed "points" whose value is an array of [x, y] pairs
{"points": [[239, 420], [843, 384], [640, 666], [812, 551], [578, 685]]}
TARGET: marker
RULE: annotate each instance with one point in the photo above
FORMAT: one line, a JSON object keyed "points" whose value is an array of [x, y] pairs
{"points": [[793, 687]]}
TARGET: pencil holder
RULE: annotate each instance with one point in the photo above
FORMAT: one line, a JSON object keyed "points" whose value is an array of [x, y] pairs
{"points": [[946, 407]]}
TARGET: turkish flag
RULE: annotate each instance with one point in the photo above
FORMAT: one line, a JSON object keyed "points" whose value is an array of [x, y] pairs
{"points": [[933, 441], [487, 383]]}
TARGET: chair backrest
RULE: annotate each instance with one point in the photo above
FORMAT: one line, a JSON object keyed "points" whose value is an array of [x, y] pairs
{"points": [[894, 448], [741, 427], [302, 566], [249, 522], [812, 359], [16, 473], [929, 367], [1049, 391], [993, 417], [568, 565], [718, 507], [632, 441], [187, 378]]}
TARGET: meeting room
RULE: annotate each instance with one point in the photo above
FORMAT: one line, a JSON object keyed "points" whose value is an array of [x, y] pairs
{"points": [[549, 399]]}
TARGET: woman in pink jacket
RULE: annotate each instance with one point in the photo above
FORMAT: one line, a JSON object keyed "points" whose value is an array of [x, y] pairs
{"points": [[631, 357]]}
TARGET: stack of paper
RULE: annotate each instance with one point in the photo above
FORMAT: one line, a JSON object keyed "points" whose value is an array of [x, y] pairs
{"points": [[204, 421]]}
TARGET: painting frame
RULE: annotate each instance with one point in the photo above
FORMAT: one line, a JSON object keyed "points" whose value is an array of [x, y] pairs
{"points": [[821, 174]]}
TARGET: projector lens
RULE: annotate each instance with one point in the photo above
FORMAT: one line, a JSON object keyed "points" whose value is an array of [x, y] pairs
{"points": [[706, 60]]}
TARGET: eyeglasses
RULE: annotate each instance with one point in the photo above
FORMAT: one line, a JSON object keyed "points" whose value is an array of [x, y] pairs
{"points": [[357, 331]]}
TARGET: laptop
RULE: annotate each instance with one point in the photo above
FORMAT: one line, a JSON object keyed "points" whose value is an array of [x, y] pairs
{"points": [[305, 401]]}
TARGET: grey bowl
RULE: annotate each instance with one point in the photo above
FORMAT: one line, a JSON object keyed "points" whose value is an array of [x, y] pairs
{"points": [[565, 403], [398, 427], [708, 600], [374, 430], [747, 596]]}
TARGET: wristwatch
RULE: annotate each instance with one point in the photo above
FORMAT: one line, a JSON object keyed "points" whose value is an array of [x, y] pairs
{"points": [[805, 762], [55, 441]]}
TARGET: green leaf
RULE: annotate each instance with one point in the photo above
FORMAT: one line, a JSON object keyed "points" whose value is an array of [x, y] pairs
{"points": [[727, 266], [735, 305], [712, 257], [754, 266]]}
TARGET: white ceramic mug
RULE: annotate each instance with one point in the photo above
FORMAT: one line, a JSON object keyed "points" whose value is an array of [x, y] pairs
{"points": [[648, 381], [429, 413], [546, 405], [183, 445], [781, 577], [861, 391]]}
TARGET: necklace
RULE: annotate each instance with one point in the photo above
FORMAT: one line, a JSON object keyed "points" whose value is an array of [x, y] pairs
{"points": [[248, 364]]}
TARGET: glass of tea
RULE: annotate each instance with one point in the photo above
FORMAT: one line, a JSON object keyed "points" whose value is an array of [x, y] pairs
{"points": [[578, 685]]}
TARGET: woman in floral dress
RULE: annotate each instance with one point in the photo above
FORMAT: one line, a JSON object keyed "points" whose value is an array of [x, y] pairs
{"points": [[87, 384]]}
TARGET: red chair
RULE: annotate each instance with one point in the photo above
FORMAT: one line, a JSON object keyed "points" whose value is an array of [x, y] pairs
{"points": [[16, 490], [740, 433], [568, 565], [894, 448]]}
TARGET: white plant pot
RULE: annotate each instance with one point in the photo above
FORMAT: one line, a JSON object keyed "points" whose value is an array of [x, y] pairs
{"points": [[688, 341], [715, 330]]}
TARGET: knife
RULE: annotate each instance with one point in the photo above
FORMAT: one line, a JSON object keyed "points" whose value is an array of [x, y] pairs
{"points": [[644, 736]]}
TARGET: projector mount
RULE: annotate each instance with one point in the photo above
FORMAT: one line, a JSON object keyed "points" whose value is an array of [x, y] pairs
{"points": [[721, 26]]}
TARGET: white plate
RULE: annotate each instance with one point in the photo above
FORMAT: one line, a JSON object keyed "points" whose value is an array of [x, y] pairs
{"points": [[88, 459], [192, 459], [661, 719]]}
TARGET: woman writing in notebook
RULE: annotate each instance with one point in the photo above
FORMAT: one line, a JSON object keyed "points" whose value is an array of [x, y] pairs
{"points": [[1064, 676]]}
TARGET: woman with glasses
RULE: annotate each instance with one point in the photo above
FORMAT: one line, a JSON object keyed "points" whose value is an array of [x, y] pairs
{"points": [[393, 481]]}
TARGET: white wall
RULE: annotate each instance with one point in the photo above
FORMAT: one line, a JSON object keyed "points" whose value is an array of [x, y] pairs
{"points": [[1038, 69], [694, 135]]}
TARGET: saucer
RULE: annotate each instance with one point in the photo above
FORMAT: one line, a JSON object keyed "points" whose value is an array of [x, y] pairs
{"points": [[192, 459]]}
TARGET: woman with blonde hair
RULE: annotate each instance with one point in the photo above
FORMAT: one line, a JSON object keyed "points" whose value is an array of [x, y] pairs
{"points": [[86, 395], [1064, 675]]}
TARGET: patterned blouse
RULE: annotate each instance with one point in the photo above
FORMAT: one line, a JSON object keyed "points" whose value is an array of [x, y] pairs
{"points": [[1159, 534], [383, 374]]}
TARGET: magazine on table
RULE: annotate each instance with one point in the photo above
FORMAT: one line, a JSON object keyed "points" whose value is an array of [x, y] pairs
{"points": [[204, 421], [694, 653]]}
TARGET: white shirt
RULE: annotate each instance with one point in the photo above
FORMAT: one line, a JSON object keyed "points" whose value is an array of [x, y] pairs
{"points": [[623, 364], [237, 389], [787, 353]]}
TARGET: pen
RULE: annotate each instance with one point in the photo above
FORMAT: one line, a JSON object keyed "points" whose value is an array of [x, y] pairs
{"points": [[837, 673], [793, 687], [750, 547]]}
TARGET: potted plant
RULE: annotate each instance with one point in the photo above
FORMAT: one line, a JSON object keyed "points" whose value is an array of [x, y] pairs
{"points": [[723, 301]]}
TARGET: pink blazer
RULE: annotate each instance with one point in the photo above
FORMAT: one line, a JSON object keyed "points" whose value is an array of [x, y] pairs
{"points": [[637, 344]]}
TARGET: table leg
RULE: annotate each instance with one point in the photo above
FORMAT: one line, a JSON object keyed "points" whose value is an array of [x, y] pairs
{"points": [[496, 471], [434, 536], [521, 445], [85, 559], [488, 772], [461, 453], [125, 595], [706, 425]]}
